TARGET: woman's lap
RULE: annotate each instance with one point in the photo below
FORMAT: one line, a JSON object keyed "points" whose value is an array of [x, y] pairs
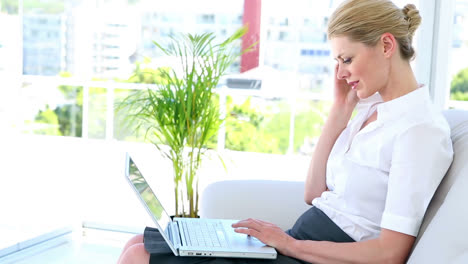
{"points": [[312, 225], [170, 258]]}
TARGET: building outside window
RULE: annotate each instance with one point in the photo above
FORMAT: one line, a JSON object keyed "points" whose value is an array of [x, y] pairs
{"points": [[58, 39]]}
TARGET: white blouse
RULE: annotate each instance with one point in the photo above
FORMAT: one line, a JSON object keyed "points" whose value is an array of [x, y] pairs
{"points": [[385, 175]]}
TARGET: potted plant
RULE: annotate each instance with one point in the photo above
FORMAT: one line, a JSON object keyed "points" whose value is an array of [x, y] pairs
{"points": [[182, 115]]}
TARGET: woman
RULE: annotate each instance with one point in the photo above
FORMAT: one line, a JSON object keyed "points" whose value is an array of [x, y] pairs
{"points": [[370, 179]]}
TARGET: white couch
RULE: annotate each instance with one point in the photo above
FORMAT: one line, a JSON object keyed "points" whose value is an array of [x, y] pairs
{"points": [[443, 237]]}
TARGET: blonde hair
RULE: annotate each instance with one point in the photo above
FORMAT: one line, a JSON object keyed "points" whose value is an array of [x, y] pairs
{"points": [[366, 20]]}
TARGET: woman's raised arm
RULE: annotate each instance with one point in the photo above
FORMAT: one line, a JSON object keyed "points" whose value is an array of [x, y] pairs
{"points": [[344, 102]]}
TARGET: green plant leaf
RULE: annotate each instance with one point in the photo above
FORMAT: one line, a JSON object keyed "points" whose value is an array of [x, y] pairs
{"points": [[182, 113]]}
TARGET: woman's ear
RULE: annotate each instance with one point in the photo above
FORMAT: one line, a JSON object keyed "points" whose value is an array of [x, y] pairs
{"points": [[389, 44]]}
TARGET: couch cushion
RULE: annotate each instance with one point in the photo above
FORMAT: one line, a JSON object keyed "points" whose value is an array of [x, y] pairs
{"points": [[444, 232], [279, 202]]}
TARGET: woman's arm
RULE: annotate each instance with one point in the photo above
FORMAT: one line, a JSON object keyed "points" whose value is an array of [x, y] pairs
{"points": [[315, 182], [390, 247], [345, 99]]}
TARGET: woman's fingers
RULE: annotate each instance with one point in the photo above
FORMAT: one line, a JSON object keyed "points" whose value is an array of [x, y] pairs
{"points": [[250, 232], [248, 223]]}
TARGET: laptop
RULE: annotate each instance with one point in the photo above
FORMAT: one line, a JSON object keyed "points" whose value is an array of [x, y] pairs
{"points": [[195, 237]]}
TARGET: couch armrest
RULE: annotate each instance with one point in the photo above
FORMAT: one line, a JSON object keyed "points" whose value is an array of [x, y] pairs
{"points": [[278, 202]]}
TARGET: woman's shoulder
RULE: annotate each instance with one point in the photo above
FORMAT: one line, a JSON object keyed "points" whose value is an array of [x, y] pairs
{"points": [[427, 120]]}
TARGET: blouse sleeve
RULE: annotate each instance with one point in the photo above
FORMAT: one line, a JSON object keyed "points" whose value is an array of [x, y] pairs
{"points": [[421, 157]]}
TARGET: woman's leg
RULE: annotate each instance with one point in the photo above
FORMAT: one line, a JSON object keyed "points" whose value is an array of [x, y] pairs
{"points": [[133, 252], [134, 240]]}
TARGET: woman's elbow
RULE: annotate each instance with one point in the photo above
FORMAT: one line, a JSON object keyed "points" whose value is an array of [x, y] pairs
{"points": [[398, 256], [394, 258], [395, 247], [309, 197]]}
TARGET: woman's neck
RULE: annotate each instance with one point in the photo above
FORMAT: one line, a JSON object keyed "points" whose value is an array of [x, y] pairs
{"points": [[401, 81]]}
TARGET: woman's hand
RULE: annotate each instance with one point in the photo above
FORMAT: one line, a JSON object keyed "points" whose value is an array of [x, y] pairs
{"points": [[267, 233], [344, 95]]}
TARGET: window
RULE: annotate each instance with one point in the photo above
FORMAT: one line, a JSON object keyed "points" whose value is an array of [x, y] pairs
{"points": [[112, 48], [283, 36], [207, 19], [458, 70], [284, 22]]}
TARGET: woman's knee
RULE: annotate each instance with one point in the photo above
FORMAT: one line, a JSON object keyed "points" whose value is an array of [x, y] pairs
{"points": [[138, 239], [135, 254]]}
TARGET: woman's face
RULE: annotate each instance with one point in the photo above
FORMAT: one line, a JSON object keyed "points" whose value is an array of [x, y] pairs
{"points": [[364, 68]]}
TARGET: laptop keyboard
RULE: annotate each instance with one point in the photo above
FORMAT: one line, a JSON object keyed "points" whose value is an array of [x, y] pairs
{"points": [[204, 233]]}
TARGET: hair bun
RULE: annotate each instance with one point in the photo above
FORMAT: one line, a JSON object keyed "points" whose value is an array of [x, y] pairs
{"points": [[412, 17]]}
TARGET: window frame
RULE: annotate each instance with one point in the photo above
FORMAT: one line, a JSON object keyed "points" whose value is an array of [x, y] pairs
{"points": [[433, 49]]}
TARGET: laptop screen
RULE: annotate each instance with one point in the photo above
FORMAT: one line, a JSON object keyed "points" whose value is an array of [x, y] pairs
{"points": [[148, 196]]}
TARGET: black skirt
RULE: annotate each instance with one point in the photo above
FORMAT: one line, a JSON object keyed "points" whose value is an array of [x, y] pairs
{"points": [[312, 225]]}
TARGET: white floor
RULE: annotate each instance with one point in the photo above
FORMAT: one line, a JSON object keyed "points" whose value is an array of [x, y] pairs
{"points": [[81, 246]]}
